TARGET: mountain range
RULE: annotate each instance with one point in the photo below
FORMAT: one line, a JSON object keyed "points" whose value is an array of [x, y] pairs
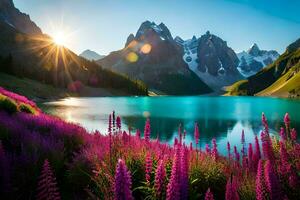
{"points": [[166, 64], [254, 59], [153, 56], [91, 55], [208, 57], [281, 78]]}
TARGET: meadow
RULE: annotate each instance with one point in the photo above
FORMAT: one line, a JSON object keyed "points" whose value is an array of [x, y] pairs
{"points": [[44, 157]]}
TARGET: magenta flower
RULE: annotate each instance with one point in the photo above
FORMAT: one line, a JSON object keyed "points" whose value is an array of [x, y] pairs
{"points": [[232, 189], [265, 123], [257, 154], [47, 186], [138, 133], [214, 150], [148, 167], [109, 125], [228, 150], [209, 195], [207, 149], [191, 146], [236, 154], [284, 166], [282, 134], [293, 179], [287, 118], [173, 188], [122, 182], [267, 147], [261, 187], [272, 182], [196, 134], [118, 122], [159, 182], [250, 156], [147, 131], [184, 177], [243, 137], [180, 134], [294, 135]]}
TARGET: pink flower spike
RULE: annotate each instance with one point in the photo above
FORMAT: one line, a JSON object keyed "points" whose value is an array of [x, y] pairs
{"points": [[209, 195]]}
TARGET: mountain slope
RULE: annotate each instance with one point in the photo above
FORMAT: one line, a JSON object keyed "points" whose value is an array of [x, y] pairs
{"points": [[16, 19], [155, 58], [253, 60], [34, 55], [91, 55], [281, 78], [211, 59]]}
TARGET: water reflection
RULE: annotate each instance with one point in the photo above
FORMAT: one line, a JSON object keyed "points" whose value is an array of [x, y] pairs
{"points": [[222, 118]]}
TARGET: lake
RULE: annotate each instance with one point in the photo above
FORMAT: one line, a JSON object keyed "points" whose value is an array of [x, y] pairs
{"points": [[222, 118]]}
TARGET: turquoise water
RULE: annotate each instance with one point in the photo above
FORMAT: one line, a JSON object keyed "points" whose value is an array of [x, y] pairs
{"points": [[221, 117]]}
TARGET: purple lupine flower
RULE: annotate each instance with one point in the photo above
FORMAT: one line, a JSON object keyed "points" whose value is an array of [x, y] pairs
{"points": [[250, 156], [173, 188], [122, 182], [209, 195], [138, 133], [232, 189], [159, 182], [294, 135], [196, 134], [47, 186], [228, 150], [272, 182], [148, 167], [109, 125], [207, 149], [282, 134], [287, 118], [284, 166], [191, 146], [267, 147], [184, 177], [293, 178], [180, 134], [214, 151], [257, 155], [260, 184], [113, 120], [118, 122], [175, 141], [147, 130], [243, 137], [236, 154]]}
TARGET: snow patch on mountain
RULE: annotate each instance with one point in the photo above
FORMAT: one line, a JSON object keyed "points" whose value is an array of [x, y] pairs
{"points": [[190, 55], [254, 59]]}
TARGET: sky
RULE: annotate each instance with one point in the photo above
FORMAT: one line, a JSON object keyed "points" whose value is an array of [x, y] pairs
{"points": [[104, 25]]}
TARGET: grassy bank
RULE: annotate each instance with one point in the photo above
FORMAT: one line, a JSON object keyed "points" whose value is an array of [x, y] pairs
{"points": [[43, 92]]}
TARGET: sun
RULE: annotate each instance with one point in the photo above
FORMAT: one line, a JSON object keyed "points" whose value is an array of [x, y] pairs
{"points": [[60, 38]]}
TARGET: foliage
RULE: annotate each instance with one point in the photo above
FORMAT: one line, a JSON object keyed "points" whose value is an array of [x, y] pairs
{"points": [[118, 165]]}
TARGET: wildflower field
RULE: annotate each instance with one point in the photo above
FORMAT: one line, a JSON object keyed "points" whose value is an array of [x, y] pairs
{"points": [[44, 157]]}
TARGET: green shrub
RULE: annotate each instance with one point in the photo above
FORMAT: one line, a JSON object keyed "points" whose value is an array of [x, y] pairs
{"points": [[8, 104], [27, 108]]}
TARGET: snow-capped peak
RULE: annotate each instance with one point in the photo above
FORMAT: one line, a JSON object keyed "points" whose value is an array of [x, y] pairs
{"points": [[254, 59], [160, 30]]}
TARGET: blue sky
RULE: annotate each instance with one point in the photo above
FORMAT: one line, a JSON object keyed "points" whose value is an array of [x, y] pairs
{"points": [[103, 25]]}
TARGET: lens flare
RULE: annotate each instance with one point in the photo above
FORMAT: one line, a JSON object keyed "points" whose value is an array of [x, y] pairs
{"points": [[146, 48], [132, 57]]}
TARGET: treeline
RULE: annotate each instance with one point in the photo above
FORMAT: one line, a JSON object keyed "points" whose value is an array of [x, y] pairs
{"points": [[63, 70]]}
